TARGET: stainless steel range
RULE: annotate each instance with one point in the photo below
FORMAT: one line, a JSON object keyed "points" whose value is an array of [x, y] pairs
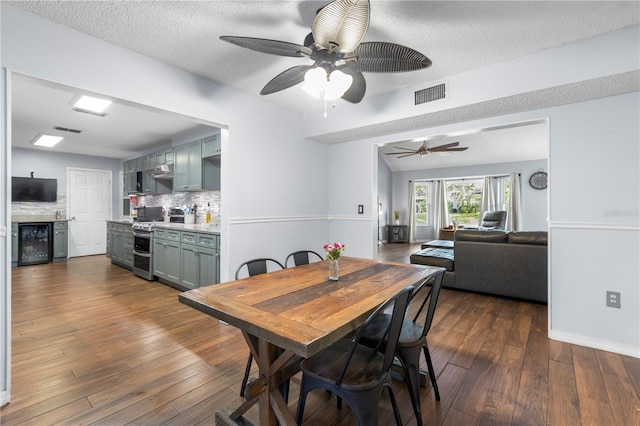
{"points": [[143, 250]]}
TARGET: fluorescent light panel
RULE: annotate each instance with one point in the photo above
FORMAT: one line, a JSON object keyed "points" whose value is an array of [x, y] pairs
{"points": [[47, 140], [92, 104]]}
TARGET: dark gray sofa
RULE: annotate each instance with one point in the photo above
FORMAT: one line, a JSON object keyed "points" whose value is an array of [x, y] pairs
{"points": [[511, 264]]}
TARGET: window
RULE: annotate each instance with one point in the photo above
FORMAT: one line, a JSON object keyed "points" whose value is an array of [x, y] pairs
{"points": [[503, 193], [422, 203], [464, 200]]}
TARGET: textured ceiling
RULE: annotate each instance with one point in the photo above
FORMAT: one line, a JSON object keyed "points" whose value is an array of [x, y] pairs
{"points": [[456, 36]]}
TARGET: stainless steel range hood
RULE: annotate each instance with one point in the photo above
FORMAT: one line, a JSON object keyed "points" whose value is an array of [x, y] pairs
{"points": [[165, 171]]}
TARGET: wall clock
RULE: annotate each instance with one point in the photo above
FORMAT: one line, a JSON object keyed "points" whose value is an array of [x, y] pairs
{"points": [[538, 180]]}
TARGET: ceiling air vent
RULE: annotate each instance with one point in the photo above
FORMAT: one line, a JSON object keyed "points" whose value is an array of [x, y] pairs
{"points": [[64, 129], [431, 94]]}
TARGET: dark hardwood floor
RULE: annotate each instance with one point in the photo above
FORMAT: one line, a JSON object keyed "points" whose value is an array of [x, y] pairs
{"points": [[93, 344]]}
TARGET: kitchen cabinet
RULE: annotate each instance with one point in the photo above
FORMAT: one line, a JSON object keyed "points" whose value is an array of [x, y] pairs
{"points": [[120, 244], [211, 146], [200, 260], [14, 244], [187, 170], [60, 241], [166, 255], [164, 157]]}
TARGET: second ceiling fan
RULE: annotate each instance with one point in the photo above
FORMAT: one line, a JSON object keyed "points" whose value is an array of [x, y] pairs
{"points": [[335, 45], [425, 149]]}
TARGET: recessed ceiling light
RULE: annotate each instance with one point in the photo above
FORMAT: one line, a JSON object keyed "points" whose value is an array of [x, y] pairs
{"points": [[47, 140], [88, 103]]}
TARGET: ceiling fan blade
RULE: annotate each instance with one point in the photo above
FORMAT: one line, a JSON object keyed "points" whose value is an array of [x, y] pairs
{"points": [[399, 153], [286, 79], [454, 149], [273, 47], [379, 56], [402, 147], [445, 146], [341, 25], [356, 92]]}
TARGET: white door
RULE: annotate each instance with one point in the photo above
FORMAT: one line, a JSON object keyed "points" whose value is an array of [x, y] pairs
{"points": [[89, 201]]}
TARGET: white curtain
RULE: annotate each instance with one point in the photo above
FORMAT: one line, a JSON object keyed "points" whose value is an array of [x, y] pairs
{"points": [[514, 212], [440, 209], [488, 197], [411, 217]]}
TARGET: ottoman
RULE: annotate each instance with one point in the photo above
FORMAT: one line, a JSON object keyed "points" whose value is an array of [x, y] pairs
{"points": [[436, 257]]}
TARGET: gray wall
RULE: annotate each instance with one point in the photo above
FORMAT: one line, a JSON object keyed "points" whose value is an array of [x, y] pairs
{"points": [[48, 164], [534, 202]]}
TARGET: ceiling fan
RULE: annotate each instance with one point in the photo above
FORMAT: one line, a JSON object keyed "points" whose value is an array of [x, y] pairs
{"points": [[425, 149], [335, 45]]}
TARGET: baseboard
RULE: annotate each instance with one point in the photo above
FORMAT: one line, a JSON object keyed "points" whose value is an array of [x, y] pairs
{"points": [[590, 342]]}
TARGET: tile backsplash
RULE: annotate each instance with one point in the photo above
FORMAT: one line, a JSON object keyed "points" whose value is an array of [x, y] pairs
{"points": [[39, 208], [179, 199]]}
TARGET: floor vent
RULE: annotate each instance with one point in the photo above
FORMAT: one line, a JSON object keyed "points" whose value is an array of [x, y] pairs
{"points": [[64, 129], [431, 94]]}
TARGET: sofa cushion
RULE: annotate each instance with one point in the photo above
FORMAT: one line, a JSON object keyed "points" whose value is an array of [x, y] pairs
{"points": [[434, 257], [481, 236], [531, 237]]}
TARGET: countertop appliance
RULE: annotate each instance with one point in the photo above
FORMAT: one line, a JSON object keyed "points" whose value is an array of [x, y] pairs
{"points": [[176, 215], [149, 214]]}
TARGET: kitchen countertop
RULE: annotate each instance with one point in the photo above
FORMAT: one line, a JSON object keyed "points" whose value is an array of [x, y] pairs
{"points": [[36, 218], [208, 228]]}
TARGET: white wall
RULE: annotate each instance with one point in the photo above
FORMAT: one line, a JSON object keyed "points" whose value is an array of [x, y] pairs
{"points": [[385, 193]]}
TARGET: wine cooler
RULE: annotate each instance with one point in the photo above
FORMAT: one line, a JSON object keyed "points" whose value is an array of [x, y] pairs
{"points": [[34, 243]]}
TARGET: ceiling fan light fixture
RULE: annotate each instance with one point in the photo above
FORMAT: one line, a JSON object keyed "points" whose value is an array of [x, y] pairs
{"points": [[325, 86], [339, 83], [315, 82]]}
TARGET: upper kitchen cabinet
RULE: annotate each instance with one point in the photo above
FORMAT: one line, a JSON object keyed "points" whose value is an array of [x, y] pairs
{"points": [[211, 146], [188, 167], [164, 157]]}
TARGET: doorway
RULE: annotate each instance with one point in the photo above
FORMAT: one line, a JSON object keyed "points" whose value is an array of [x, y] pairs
{"points": [[89, 205]]}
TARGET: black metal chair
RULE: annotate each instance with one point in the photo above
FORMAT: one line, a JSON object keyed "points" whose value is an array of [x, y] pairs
{"points": [[256, 267], [354, 372], [413, 338], [302, 257]]}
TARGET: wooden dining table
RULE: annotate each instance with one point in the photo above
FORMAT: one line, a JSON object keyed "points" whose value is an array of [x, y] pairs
{"points": [[294, 313]]}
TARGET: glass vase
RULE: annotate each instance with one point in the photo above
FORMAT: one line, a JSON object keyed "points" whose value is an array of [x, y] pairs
{"points": [[334, 270]]}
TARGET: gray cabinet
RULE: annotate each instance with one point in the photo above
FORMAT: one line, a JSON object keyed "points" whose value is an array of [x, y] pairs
{"points": [[164, 157], [120, 244], [187, 170], [14, 244], [60, 241], [211, 146], [200, 260], [166, 255]]}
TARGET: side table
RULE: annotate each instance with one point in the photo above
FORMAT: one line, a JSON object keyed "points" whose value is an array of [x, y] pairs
{"points": [[397, 234]]}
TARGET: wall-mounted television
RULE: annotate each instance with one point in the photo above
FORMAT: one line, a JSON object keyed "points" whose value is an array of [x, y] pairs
{"points": [[34, 189]]}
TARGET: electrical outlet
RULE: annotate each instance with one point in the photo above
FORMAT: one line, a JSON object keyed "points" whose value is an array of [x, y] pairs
{"points": [[360, 208], [613, 299]]}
